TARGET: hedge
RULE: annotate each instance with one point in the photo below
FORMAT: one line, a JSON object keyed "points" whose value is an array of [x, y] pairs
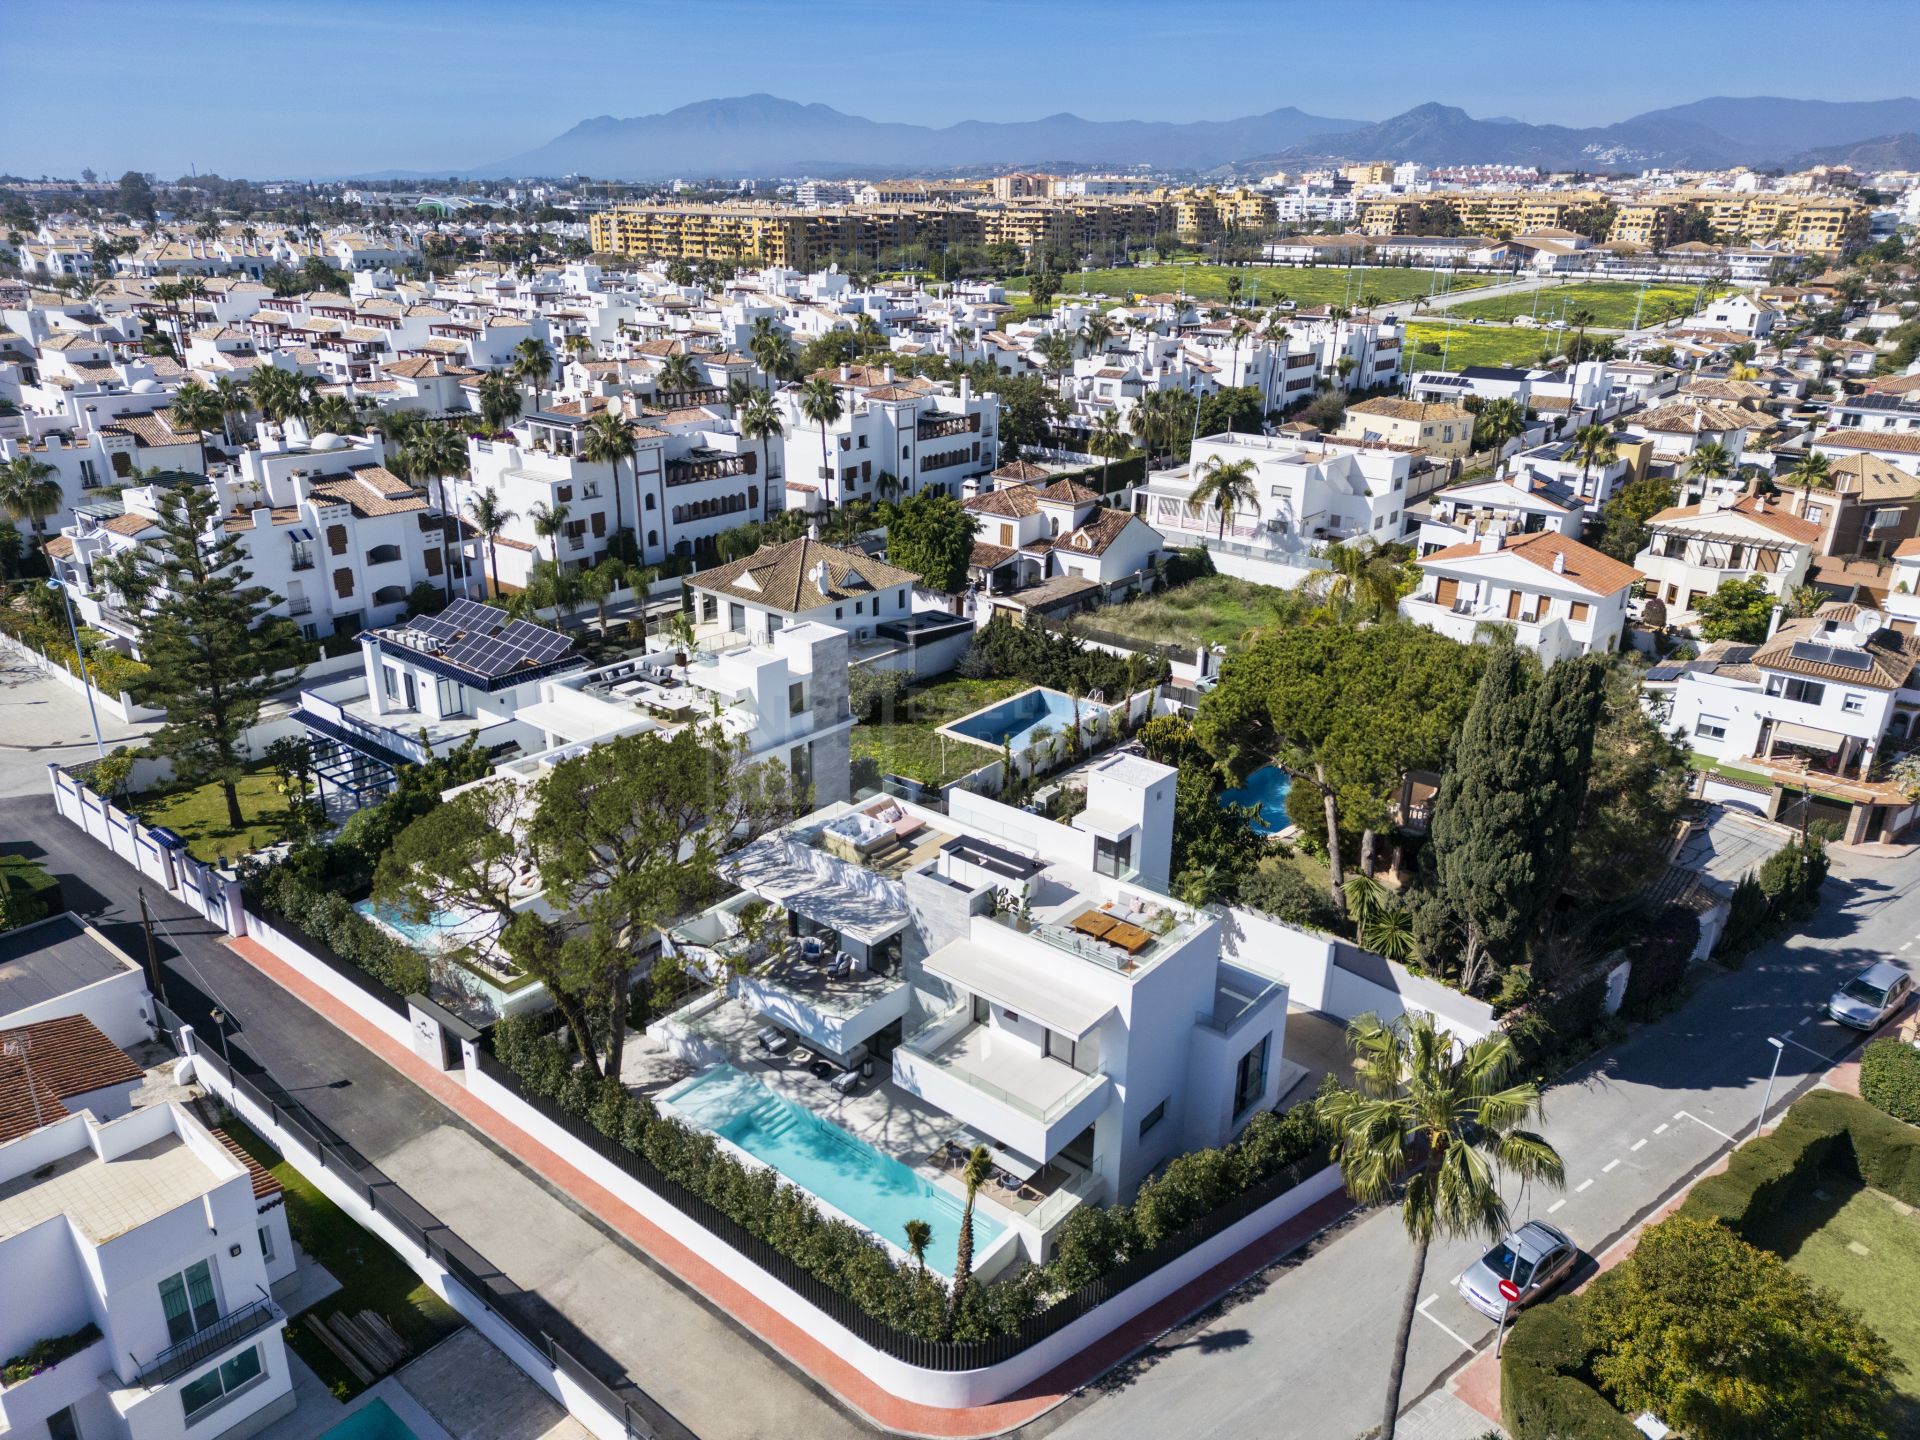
{"points": [[1544, 1392], [27, 892], [1890, 1079]]}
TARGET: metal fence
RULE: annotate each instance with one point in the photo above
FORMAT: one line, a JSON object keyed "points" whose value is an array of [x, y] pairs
{"points": [[642, 1415]]}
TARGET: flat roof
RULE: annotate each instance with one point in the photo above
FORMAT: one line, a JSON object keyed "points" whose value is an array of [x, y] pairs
{"points": [[107, 1198], [55, 957], [1020, 985]]}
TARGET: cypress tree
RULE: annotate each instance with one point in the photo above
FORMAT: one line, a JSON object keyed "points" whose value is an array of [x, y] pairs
{"points": [[212, 643], [1566, 712]]}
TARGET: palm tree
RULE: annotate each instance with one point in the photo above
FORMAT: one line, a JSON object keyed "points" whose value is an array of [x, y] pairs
{"points": [[1096, 333], [1593, 445], [1239, 331], [437, 454], [30, 490], [549, 521], [608, 441], [1150, 422], [1274, 335], [330, 412], [772, 350], [820, 403], [1498, 422], [1056, 356], [759, 419], [533, 363], [676, 373], [1443, 1118], [490, 517], [1580, 317], [973, 1174], [1357, 576], [499, 400], [919, 1235], [598, 584], [196, 408], [1109, 442], [276, 393], [579, 347], [234, 403], [1711, 461], [867, 333], [1225, 485]]}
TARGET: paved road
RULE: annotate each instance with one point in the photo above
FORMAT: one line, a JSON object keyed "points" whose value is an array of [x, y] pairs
{"points": [[710, 1374], [42, 722], [1309, 1339]]}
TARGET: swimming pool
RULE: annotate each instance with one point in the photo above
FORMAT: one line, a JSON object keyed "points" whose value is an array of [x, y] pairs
{"points": [[1266, 790], [846, 1175], [443, 930], [1013, 721], [372, 1421]]}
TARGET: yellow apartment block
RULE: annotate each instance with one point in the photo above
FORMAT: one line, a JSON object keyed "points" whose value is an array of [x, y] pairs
{"points": [[1817, 224], [1484, 212]]}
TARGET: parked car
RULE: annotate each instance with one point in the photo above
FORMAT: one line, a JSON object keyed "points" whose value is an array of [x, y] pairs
{"points": [[1536, 1257], [1872, 995]]}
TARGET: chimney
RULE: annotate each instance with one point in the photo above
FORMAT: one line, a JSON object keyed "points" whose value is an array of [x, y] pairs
{"points": [[822, 577], [846, 374], [1559, 562], [813, 528], [1489, 540], [888, 372], [966, 389]]}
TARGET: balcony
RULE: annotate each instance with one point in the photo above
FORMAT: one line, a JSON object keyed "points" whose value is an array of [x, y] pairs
{"points": [[225, 1333], [999, 1085], [939, 427], [708, 467], [301, 606]]}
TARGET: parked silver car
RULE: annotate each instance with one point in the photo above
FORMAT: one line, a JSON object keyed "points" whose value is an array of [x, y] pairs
{"points": [[1871, 996], [1535, 1258]]}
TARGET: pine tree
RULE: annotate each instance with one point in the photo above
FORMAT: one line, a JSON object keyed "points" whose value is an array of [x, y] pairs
{"points": [[211, 642]]}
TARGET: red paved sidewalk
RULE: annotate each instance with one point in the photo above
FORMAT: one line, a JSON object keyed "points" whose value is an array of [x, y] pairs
{"points": [[846, 1382]]}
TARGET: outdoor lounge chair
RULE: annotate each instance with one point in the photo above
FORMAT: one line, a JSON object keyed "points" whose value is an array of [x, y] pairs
{"points": [[847, 1082], [780, 1045]]}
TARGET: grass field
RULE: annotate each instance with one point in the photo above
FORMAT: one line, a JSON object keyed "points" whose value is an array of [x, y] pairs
{"points": [[1213, 610], [199, 815], [1464, 345], [907, 744], [1261, 284], [1612, 303], [371, 1276], [1865, 1247]]}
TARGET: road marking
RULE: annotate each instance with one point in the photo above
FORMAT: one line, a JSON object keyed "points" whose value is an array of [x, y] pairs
{"points": [[1464, 1343], [1684, 1115], [1555, 1206], [1906, 947], [1608, 1166], [1660, 1127], [1583, 1185], [1810, 1050], [1638, 1143]]}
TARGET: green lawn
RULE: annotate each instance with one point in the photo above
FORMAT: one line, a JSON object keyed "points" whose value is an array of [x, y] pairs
{"points": [[1865, 1247], [1464, 345], [1213, 610], [371, 1276], [1322, 285], [31, 893], [199, 815], [1732, 772], [1612, 302], [907, 744]]}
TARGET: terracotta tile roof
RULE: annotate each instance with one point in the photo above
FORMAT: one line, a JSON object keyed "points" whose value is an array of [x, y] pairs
{"points": [[66, 1057], [1694, 419], [370, 490], [782, 576], [1730, 658], [989, 557], [61, 547], [1751, 507], [1901, 442], [1021, 470], [1907, 547], [1392, 409], [129, 524], [1584, 566], [892, 393], [1871, 478], [1890, 655], [1094, 537], [1068, 492], [264, 1184], [1011, 502], [154, 429]]}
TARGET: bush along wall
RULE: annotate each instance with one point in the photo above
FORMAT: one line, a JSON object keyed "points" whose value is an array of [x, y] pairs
{"points": [[1273, 1151], [1890, 1079]]}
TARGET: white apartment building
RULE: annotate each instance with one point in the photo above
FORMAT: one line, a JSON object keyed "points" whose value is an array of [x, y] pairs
{"points": [[1554, 466], [1521, 504], [1038, 990], [1812, 707], [1693, 549], [1558, 597], [144, 1234], [924, 435], [1307, 493]]}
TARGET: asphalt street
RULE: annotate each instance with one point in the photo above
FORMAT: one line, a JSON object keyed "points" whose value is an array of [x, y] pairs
{"points": [[1302, 1349]]}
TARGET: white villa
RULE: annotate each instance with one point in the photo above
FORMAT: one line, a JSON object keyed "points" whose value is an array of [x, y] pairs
{"points": [[1559, 597], [1694, 549]]}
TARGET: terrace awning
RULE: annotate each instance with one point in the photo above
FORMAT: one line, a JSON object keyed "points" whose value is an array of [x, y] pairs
{"points": [[1022, 986], [1785, 732]]}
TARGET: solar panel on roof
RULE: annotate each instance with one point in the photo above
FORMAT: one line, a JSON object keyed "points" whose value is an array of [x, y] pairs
{"points": [[433, 627], [1831, 655], [1852, 659], [471, 615], [1666, 672]]}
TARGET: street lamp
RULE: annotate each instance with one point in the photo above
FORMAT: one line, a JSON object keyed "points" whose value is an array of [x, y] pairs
{"points": [[1779, 1049], [74, 630], [219, 1019]]}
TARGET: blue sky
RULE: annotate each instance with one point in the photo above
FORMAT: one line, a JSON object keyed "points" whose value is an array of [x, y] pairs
{"points": [[298, 87]]}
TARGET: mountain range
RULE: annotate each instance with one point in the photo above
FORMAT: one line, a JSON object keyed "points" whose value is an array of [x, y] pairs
{"points": [[756, 136]]}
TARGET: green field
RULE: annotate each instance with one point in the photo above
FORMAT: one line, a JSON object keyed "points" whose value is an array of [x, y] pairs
{"points": [[1865, 1247], [1262, 284], [907, 743], [1214, 610], [1464, 345], [1611, 301]]}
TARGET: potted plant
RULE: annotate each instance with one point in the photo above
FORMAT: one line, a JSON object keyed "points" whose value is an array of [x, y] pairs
{"points": [[1023, 914]]}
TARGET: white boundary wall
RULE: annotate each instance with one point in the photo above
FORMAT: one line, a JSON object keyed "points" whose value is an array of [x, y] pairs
{"points": [[940, 1389], [390, 1023]]}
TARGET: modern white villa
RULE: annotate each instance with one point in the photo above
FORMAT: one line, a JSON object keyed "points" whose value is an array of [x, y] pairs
{"points": [[920, 983]]}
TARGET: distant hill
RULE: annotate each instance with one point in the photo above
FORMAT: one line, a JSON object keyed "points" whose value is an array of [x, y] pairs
{"points": [[758, 135], [1883, 152], [753, 136]]}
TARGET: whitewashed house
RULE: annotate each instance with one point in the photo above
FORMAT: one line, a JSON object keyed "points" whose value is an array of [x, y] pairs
{"points": [[1559, 598]]}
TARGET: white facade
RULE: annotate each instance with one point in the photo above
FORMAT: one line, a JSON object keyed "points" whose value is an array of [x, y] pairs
{"points": [[146, 1228], [925, 436], [1694, 549], [1558, 597]]}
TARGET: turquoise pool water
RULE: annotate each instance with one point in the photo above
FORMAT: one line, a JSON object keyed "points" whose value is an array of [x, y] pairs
{"points": [[1265, 790], [1012, 722], [443, 930], [372, 1421], [849, 1175]]}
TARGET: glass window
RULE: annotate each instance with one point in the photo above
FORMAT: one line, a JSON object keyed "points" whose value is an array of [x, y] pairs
{"points": [[1854, 704], [222, 1382], [1711, 727], [1152, 1118], [266, 1242], [796, 698], [1250, 1080], [62, 1426], [189, 1302]]}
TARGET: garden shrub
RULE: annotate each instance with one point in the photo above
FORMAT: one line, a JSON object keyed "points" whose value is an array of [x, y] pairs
{"points": [[875, 695], [1278, 889], [1544, 1392], [329, 918], [1660, 960], [1890, 1079], [1054, 659], [27, 892], [1185, 565]]}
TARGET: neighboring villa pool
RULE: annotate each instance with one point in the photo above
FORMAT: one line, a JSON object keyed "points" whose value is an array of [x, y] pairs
{"points": [[1265, 790], [846, 1175], [443, 930], [372, 1421], [1013, 721]]}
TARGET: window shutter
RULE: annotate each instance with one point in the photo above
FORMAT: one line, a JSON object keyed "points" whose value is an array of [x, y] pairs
{"points": [[1446, 592], [1578, 611], [433, 562], [1513, 604], [336, 539], [343, 583]]}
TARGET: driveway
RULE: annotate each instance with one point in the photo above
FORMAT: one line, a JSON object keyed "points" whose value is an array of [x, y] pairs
{"points": [[42, 722], [1310, 1338]]}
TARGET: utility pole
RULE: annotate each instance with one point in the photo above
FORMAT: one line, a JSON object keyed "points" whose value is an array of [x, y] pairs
{"points": [[156, 977]]}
